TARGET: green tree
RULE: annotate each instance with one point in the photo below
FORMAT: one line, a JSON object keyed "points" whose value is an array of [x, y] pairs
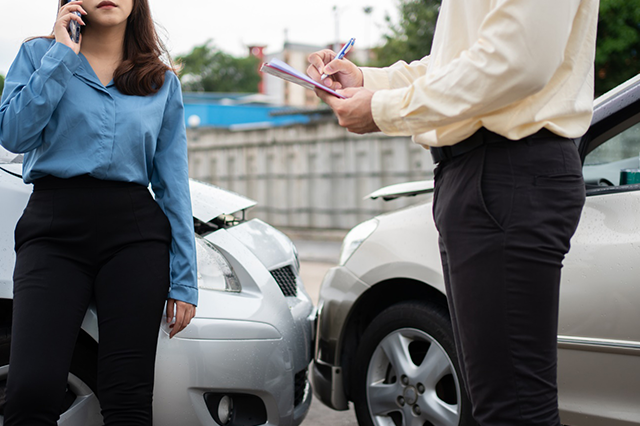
{"points": [[1, 82], [208, 69], [411, 37], [618, 43]]}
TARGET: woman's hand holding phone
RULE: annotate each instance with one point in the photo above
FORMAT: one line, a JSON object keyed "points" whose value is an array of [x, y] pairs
{"points": [[68, 14]]}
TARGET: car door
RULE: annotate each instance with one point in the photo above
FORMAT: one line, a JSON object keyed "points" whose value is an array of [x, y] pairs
{"points": [[599, 330]]}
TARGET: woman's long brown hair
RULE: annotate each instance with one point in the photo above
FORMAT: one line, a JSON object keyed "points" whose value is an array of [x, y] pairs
{"points": [[142, 70]]}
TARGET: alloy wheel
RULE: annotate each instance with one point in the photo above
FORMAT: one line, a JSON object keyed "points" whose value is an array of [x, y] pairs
{"points": [[411, 381]]}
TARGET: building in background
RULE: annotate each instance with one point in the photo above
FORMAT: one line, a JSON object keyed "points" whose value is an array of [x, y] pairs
{"points": [[284, 92], [295, 54], [278, 103]]}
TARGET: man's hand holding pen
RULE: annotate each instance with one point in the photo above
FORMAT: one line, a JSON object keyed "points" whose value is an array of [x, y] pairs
{"points": [[341, 73], [354, 113]]}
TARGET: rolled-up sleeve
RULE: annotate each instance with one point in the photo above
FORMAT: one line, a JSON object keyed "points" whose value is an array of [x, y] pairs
{"points": [[32, 92], [520, 46], [170, 183]]}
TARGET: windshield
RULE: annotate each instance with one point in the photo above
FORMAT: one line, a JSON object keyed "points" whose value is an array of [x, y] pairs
{"points": [[7, 157]]}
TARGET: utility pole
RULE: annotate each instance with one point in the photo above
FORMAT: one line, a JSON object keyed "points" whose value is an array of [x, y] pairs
{"points": [[336, 17], [368, 10]]}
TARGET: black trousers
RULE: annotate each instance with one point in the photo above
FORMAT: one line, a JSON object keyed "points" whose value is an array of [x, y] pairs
{"points": [[506, 212], [79, 240]]}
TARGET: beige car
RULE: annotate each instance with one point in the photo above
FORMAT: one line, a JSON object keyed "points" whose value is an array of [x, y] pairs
{"points": [[384, 337]]}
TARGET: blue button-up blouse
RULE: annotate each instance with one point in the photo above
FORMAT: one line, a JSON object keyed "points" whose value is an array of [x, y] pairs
{"points": [[56, 111]]}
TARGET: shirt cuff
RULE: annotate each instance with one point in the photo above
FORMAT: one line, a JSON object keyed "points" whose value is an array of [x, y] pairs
{"points": [[385, 108], [184, 293], [59, 54], [375, 78]]}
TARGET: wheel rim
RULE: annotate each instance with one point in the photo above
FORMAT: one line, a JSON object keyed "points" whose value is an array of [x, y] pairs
{"points": [[411, 381], [85, 409]]}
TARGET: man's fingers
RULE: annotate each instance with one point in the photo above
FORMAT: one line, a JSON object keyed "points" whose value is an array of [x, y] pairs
{"points": [[320, 58], [349, 92], [354, 112], [334, 66], [316, 62], [328, 98], [313, 72]]}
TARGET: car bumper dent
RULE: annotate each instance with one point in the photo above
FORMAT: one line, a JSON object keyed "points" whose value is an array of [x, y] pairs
{"points": [[340, 289], [328, 385]]}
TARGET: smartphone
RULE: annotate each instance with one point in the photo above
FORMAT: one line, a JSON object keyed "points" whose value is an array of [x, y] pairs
{"points": [[74, 27]]}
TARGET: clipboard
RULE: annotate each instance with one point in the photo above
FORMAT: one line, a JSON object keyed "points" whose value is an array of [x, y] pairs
{"points": [[286, 72]]}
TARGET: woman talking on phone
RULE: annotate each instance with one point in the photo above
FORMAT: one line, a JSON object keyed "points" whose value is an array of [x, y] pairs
{"points": [[98, 120]]}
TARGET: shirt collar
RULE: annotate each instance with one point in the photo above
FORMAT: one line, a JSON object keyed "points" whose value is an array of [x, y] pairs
{"points": [[86, 73]]}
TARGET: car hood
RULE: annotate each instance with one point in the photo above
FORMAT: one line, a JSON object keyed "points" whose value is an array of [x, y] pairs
{"points": [[407, 189], [207, 201], [13, 168]]}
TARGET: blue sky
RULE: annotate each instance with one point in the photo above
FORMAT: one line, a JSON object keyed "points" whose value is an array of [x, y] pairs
{"points": [[231, 24]]}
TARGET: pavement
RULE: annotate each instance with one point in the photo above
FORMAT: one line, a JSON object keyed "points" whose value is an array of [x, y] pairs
{"points": [[317, 256]]}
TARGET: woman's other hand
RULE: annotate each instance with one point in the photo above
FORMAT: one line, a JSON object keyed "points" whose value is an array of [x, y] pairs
{"points": [[184, 312], [61, 28], [342, 73]]}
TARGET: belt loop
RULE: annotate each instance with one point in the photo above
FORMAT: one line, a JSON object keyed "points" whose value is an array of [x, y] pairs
{"points": [[446, 150], [487, 136], [482, 135]]}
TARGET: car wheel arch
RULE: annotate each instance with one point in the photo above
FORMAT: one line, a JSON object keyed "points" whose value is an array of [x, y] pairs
{"points": [[377, 298]]}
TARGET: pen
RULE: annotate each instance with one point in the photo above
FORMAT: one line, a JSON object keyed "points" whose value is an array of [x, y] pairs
{"points": [[345, 49]]}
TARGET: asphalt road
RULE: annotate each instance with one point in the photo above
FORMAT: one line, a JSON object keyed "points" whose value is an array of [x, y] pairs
{"points": [[316, 257], [312, 273]]}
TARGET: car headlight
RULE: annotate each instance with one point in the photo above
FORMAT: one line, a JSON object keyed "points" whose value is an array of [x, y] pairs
{"points": [[214, 271], [355, 238]]}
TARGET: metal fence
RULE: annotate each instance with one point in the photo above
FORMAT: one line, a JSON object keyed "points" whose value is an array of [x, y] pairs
{"points": [[310, 176]]}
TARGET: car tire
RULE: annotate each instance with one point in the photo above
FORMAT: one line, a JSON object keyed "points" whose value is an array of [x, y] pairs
{"points": [[81, 406], [406, 371]]}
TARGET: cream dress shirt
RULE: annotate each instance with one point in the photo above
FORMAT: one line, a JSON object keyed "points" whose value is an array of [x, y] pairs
{"points": [[512, 66]]}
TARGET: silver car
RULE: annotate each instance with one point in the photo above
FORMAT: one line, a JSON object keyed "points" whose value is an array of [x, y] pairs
{"points": [[244, 358], [384, 336]]}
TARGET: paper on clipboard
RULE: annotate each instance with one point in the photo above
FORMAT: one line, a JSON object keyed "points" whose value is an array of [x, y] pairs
{"points": [[286, 72]]}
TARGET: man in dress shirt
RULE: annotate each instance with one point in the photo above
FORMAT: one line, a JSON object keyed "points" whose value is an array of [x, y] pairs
{"points": [[508, 85]]}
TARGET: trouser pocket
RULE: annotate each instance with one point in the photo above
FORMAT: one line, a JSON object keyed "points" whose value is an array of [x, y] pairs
{"points": [[36, 219]]}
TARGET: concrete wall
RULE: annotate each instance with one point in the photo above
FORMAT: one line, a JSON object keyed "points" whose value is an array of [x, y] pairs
{"points": [[308, 176]]}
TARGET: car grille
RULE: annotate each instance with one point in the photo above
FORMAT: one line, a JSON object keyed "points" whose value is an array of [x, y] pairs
{"points": [[301, 387], [286, 280]]}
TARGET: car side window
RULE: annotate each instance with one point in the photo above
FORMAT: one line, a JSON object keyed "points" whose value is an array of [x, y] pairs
{"points": [[616, 162]]}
